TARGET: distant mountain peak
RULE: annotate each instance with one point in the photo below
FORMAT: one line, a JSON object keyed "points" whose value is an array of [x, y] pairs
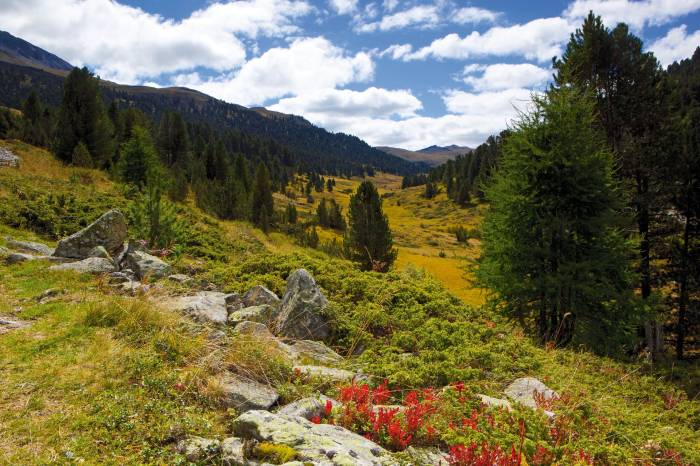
{"points": [[22, 52]]}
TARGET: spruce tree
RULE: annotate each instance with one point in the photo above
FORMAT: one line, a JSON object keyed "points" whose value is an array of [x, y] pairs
{"points": [[368, 240], [138, 159], [290, 214], [552, 251], [81, 156], [262, 203], [322, 213], [35, 127]]}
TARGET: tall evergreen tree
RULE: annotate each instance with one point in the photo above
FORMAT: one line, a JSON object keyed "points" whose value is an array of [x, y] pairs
{"points": [[262, 203], [368, 240], [82, 117], [35, 121], [138, 159], [81, 156], [552, 253], [172, 140]]}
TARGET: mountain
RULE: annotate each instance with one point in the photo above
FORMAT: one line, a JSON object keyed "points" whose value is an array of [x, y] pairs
{"points": [[433, 155], [25, 67]]}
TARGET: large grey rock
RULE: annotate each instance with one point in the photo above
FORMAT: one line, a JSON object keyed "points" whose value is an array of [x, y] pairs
{"points": [[263, 314], [233, 452], [145, 265], [245, 394], [308, 407], [330, 373], [321, 444], [29, 246], [309, 350], [428, 456], [199, 449], [259, 295], [108, 231], [523, 391], [205, 306], [95, 265], [17, 257], [254, 329], [497, 402], [100, 251], [180, 278], [301, 311]]}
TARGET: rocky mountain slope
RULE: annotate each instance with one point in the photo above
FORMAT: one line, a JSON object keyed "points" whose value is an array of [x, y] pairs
{"points": [[432, 155]]}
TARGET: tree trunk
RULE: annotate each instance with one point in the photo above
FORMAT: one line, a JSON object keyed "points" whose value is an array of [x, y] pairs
{"points": [[683, 292]]}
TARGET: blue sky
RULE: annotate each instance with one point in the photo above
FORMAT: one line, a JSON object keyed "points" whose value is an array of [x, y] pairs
{"points": [[400, 73]]}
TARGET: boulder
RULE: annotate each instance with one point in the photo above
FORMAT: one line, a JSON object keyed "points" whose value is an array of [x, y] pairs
{"points": [[95, 265], [322, 444], [179, 278], [259, 295], [108, 231], [428, 456], [254, 329], [323, 372], [205, 306], [132, 287], [301, 311], [145, 265], [262, 314], [497, 402], [100, 251], [233, 452], [29, 246], [308, 407], [234, 302], [120, 277], [17, 257], [199, 449], [245, 394], [309, 350], [523, 391]]}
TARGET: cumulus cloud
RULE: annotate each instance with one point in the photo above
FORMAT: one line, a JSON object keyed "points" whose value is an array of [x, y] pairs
{"points": [[676, 45], [540, 40], [421, 15], [474, 15], [371, 102], [127, 44], [307, 65], [635, 13], [344, 7], [501, 76]]}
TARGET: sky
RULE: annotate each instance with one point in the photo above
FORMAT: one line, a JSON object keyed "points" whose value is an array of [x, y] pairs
{"points": [[395, 73]]}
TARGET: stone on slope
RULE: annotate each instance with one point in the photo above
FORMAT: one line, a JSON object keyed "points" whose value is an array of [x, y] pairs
{"points": [[245, 394], [254, 329], [100, 251], [301, 311], [179, 278], [108, 231], [233, 452], [308, 407], [7, 324], [95, 265], [497, 402], [145, 265], [428, 456], [259, 295], [198, 449], [332, 373], [523, 391], [17, 257], [322, 444], [304, 350], [29, 246], [205, 306], [262, 314]]}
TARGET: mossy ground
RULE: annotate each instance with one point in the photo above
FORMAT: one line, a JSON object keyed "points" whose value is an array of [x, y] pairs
{"points": [[113, 380]]}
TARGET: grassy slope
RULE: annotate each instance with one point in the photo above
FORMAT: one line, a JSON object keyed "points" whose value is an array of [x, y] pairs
{"points": [[96, 375]]}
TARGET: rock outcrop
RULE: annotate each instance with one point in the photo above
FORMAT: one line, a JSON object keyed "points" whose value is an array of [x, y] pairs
{"points": [[308, 407], [523, 391], [205, 306], [302, 309], [17, 257], [146, 265], [309, 350], [199, 449], [94, 265], [108, 231], [263, 314], [321, 444], [30, 247], [245, 394], [329, 373], [259, 295]]}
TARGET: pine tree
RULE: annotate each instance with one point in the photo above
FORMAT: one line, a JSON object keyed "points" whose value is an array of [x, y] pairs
{"points": [[172, 139], [322, 213], [82, 117], [138, 159], [369, 240], [81, 156], [290, 214], [552, 253], [262, 204], [34, 123]]}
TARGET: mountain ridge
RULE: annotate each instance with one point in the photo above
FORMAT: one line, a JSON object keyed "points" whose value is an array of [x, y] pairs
{"points": [[432, 155]]}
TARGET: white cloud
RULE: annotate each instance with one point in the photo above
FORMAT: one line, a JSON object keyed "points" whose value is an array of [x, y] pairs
{"points": [[371, 102], [127, 44], [344, 7], [540, 40], [502, 76], [676, 45], [474, 15], [421, 15], [635, 13], [390, 5], [396, 51], [307, 65], [493, 104]]}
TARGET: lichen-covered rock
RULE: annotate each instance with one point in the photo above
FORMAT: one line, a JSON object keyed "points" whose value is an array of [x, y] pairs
{"points": [[262, 314], [259, 295], [179, 278], [94, 265], [198, 449], [497, 402], [233, 453], [427, 456], [29, 246], [309, 350], [205, 306], [108, 231], [145, 265], [245, 394], [302, 309], [330, 373], [308, 407], [523, 391], [17, 257], [120, 277], [254, 329], [100, 251], [322, 444]]}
